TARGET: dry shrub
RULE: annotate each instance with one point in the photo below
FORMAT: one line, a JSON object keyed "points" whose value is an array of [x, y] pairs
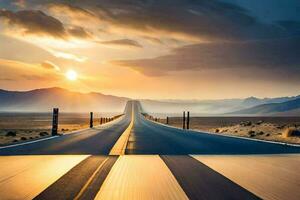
{"points": [[291, 132]]}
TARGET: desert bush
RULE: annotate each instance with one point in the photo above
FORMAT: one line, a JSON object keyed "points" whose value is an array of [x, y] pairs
{"points": [[23, 138], [289, 132], [259, 122], [217, 130], [251, 133], [43, 133], [11, 134], [260, 133], [246, 123], [15, 140]]}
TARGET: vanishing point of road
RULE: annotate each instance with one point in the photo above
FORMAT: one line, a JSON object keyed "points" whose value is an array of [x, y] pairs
{"points": [[134, 158]]}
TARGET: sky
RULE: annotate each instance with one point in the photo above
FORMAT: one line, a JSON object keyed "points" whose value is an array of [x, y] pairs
{"points": [[170, 49]]}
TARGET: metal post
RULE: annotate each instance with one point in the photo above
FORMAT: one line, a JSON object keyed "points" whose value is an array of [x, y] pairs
{"points": [[91, 119], [55, 121], [188, 120], [167, 120], [183, 120]]}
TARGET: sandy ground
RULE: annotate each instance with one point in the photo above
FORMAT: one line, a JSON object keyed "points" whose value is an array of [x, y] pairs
{"points": [[15, 128], [265, 128]]}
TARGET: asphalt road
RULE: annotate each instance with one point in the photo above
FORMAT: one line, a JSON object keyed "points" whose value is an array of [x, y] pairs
{"points": [[146, 137], [95, 141], [149, 137]]}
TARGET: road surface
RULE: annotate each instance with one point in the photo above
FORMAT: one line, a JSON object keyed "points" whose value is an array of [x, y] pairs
{"points": [[161, 162]]}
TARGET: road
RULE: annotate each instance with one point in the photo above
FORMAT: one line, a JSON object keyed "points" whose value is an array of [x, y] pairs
{"points": [[133, 158], [95, 141], [149, 137]]}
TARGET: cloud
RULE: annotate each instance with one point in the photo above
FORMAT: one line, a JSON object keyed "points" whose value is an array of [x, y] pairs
{"points": [[67, 56], [122, 43], [20, 71], [71, 12], [193, 20], [200, 20], [259, 54], [34, 22], [79, 32], [186, 20], [49, 65]]}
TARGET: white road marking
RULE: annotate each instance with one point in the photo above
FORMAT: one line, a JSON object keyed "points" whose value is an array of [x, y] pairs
{"points": [[30, 142]]}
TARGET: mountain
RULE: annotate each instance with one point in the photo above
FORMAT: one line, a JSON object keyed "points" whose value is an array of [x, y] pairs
{"points": [[207, 107], [291, 107], [43, 100], [253, 101]]}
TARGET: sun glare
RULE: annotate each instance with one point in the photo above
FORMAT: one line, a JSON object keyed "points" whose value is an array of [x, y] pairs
{"points": [[71, 75]]}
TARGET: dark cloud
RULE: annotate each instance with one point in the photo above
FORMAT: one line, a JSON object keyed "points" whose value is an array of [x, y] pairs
{"points": [[79, 32], [70, 9], [38, 23], [212, 20], [258, 54], [35, 22], [203, 20], [127, 43]]}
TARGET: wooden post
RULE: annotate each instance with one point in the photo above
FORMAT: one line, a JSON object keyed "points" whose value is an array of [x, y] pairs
{"points": [[183, 120], [55, 121], [188, 120], [101, 120], [91, 119], [167, 120]]}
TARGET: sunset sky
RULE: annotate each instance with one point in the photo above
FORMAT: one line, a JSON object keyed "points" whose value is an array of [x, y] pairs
{"points": [[179, 49]]}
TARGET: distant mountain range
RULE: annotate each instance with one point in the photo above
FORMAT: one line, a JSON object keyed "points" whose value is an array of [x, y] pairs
{"points": [[43, 100], [247, 106], [291, 107]]}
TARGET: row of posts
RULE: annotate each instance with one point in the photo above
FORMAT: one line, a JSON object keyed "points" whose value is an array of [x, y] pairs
{"points": [[54, 131], [185, 120]]}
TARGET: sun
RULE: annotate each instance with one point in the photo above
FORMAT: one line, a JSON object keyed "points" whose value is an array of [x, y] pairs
{"points": [[71, 75]]}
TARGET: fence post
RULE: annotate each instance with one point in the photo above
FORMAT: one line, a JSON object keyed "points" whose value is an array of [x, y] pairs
{"points": [[188, 120], [101, 120], [183, 120], [167, 120], [55, 121], [91, 119]]}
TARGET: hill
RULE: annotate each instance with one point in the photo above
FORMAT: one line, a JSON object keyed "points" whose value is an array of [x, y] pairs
{"points": [[43, 100], [291, 107]]}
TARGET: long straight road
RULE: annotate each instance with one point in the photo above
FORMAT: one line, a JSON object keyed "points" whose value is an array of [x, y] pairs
{"points": [[95, 141], [172, 164], [148, 137]]}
